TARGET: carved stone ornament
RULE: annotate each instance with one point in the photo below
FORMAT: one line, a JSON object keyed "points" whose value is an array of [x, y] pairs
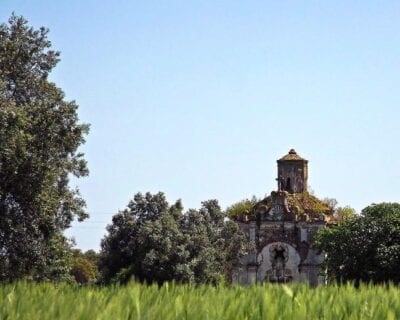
{"points": [[279, 254], [276, 213], [278, 208]]}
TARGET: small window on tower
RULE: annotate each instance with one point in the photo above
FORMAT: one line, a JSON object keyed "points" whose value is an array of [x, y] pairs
{"points": [[288, 185]]}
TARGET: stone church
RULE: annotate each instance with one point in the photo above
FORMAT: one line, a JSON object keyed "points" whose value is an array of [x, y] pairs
{"points": [[282, 228]]}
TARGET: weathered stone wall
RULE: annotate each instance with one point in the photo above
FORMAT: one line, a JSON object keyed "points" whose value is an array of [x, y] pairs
{"points": [[283, 253]]}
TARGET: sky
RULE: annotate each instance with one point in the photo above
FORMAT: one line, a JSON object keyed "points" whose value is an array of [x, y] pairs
{"points": [[198, 99]]}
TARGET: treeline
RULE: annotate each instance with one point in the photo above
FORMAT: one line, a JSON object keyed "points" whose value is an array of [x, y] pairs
{"points": [[154, 242]]}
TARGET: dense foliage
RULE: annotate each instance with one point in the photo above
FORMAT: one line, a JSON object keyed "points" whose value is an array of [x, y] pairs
{"points": [[84, 266], [364, 248], [243, 207], [156, 242], [39, 137], [135, 301]]}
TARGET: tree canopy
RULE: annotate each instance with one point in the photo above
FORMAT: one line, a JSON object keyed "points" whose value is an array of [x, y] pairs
{"points": [[40, 135], [84, 266], [154, 241], [364, 248]]}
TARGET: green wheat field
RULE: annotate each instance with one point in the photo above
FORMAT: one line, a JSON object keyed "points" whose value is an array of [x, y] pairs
{"points": [[171, 301]]}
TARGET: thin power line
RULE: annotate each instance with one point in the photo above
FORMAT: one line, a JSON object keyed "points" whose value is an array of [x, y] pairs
{"points": [[85, 222], [86, 227]]}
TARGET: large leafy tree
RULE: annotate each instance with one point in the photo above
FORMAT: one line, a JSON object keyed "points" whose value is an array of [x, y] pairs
{"points": [[156, 242], [39, 137], [364, 248]]}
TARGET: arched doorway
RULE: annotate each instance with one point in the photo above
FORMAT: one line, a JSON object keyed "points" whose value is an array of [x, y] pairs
{"points": [[279, 263]]}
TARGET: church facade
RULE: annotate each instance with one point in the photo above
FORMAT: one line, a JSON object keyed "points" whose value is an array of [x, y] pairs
{"points": [[282, 228]]}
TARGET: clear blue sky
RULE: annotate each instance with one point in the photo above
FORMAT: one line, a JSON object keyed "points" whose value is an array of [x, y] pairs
{"points": [[199, 98]]}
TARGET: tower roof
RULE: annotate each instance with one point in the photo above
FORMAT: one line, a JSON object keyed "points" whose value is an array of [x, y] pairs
{"points": [[292, 156]]}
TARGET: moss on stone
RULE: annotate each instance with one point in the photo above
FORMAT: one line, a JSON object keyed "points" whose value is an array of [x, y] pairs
{"points": [[307, 203], [303, 205]]}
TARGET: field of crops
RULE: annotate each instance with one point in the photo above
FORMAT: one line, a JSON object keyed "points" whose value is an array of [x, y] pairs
{"points": [[135, 301]]}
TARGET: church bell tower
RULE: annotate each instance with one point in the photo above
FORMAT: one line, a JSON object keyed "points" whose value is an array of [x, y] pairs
{"points": [[292, 173]]}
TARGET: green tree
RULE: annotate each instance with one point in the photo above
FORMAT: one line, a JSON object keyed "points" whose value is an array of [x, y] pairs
{"points": [[84, 266], [39, 137], [241, 208], [92, 256], [156, 242], [216, 243], [339, 214], [129, 235], [364, 248], [343, 213]]}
